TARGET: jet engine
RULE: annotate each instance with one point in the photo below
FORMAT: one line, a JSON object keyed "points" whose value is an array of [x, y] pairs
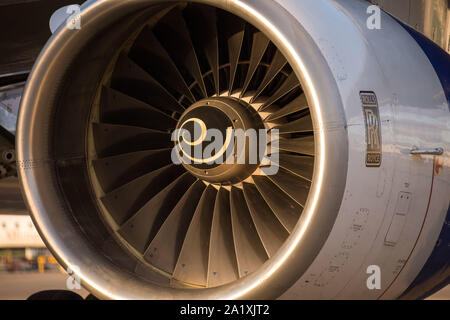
{"points": [[357, 208]]}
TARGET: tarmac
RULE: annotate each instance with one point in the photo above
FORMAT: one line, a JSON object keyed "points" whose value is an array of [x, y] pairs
{"points": [[20, 285]]}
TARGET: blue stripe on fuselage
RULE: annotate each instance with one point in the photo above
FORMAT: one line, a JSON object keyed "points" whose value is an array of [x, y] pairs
{"points": [[436, 272]]}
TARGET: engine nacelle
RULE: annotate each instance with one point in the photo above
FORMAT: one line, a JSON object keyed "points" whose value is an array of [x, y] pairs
{"points": [[363, 180]]}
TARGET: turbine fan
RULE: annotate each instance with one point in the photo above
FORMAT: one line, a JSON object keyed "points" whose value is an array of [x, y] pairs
{"points": [[197, 231]]}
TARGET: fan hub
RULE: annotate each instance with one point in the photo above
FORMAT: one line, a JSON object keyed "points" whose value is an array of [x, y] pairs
{"points": [[216, 139]]}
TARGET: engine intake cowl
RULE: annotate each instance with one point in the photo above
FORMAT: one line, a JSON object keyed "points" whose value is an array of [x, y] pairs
{"points": [[108, 105]]}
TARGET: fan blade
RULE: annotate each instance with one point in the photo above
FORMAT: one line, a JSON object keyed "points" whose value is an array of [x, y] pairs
{"points": [[259, 47], [134, 81], [294, 187], [304, 145], [288, 85], [250, 253], [204, 25], [165, 247], [286, 209], [296, 105], [175, 37], [222, 266], [128, 199], [303, 124], [140, 229], [269, 228], [111, 139], [192, 264], [277, 64], [118, 108], [158, 63], [234, 51], [301, 166], [113, 172]]}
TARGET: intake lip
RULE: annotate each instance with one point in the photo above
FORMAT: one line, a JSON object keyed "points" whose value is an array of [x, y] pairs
{"points": [[54, 170]]}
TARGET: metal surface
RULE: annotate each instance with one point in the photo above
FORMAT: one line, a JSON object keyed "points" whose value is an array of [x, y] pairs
{"points": [[286, 209], [413, 112], [248, 286], [227, 115], [192, 263], [336, 217], [222, 264], [259, 47], [431, 151], [294, 106], [270, 230], [250, 253]]}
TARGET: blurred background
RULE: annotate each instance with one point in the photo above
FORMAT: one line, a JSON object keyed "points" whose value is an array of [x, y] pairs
{"points": [[26, 266]]}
